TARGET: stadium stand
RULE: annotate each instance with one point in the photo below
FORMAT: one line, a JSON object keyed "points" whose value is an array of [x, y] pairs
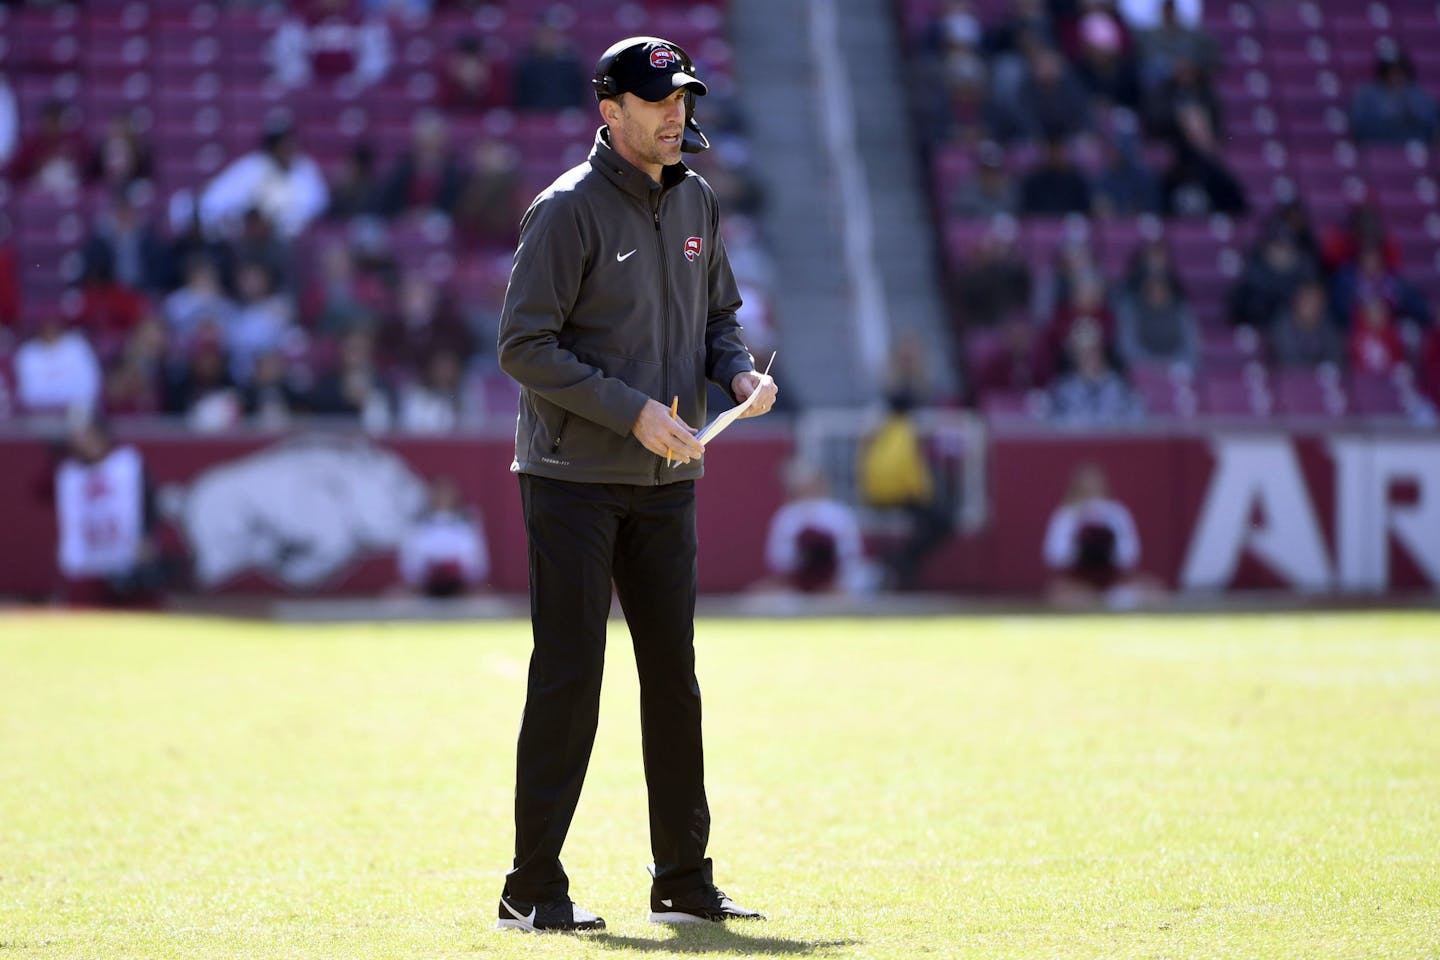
{"points": [[141, 103], [1259, 120]]}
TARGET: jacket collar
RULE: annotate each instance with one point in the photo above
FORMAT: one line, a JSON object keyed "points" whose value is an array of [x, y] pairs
{"points": [[626, 175]]}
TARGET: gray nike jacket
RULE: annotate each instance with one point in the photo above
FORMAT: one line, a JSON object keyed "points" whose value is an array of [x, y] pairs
{"points": [[620, 293]]}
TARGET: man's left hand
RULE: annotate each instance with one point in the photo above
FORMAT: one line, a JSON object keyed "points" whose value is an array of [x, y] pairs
{"points": [[747, 383]]}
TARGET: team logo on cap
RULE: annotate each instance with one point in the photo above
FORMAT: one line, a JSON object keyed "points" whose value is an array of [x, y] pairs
{"points": [[692, 248], [662, 57]]}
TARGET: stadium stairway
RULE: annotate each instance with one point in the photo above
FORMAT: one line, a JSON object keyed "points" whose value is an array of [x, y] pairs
{"points": [[814, 298]]}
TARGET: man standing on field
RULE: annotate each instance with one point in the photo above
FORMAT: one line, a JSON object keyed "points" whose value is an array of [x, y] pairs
{"points": [[621, 306]]}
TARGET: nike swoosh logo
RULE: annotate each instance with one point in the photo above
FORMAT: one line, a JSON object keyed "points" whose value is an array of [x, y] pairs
{"points": [[518, 915], [667, 903], [622, 257]]}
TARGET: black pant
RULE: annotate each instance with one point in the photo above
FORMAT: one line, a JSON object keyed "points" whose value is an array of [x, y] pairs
{"points": [[581, 537]]}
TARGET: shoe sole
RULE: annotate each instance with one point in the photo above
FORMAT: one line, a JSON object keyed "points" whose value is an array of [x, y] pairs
{"points": [[524, 927], [674, 917]]}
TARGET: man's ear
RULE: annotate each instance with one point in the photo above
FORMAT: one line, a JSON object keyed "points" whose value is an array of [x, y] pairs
{"points": [[611, 109]]}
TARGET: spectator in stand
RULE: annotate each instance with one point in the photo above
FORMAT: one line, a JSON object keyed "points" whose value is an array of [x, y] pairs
{"points": [[1153, 14], [1393, 108], [105, 516], [355, 387], [199, 303], [424, 321], [1105, 67], [54, 157], [1150, 259], [895, 475], [1198, 183], [1363, 227], [132, 385], [1019, 365], [444, 553], [1167, 36], [990, 192], [1375, 344], [1273, 271], [432, 404], [1048, 101], [321, 40], [1428, 367], [995, 279], [342, 299], [1024, 22], [56, 370], [1368, 278], [271, 400], [470, 81], [1056, 187], [549, 75], [1087, 302], [489, 209], [1304, 336], [1075, 265], [188, 241], [1292, 215], [1187, 87], [1154, 325], [127, 246], [259, 242], [123, 157], [1125, 186], [9, 286], [200, 377], [356, 185], [1091, 546], [9, 122], [285, 185], [814, 544], [426, 177], [106, 310], [1092, 393], [952, 77], [261, 322]]}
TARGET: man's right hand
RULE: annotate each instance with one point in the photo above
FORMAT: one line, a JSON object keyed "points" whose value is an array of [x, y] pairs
{"points": [[658, 432]]}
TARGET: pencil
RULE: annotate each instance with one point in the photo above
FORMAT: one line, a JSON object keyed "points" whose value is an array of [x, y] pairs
{"points": [[674, 407]]}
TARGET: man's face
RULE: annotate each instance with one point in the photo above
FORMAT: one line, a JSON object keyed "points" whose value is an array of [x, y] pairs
{"points": [[646, 133]]}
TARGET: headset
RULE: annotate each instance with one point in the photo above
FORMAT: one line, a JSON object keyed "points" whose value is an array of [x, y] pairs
{"points": [[605, 86]]}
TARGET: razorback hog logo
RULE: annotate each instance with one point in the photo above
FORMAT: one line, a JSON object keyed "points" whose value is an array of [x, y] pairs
{"points": [[692, 248], [300, 511], [662, 57]]}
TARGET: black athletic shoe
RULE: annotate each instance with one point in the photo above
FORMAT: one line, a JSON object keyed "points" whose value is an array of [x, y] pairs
{"points": [[706, 904], [556, 915]]}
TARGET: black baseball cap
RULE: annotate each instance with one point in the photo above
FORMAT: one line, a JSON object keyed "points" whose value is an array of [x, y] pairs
{"points": [[649, 67]]}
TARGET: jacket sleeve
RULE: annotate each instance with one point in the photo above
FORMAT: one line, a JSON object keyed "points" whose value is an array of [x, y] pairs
{"points": [[725, 352], [544, 283]]}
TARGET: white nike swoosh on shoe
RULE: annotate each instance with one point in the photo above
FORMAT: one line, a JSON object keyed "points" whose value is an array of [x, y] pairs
{"points": [[668, 903], [622, 257], [530, 920]]}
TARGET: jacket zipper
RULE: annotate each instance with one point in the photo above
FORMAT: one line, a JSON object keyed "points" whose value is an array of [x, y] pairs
{"points": [[664, 315], [559, 432]]}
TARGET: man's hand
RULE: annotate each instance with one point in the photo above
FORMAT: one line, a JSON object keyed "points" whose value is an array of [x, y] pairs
{"points": [[657, 432], [745, 384]]}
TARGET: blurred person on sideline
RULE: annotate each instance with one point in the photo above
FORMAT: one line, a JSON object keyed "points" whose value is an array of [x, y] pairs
{"points": [[443, 554], [1092, 547], [285, 185], [814, 544], [895, 475], [105, 516]]}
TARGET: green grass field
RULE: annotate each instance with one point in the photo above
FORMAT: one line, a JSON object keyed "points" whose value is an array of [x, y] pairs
{"points": [[1257, 787]]}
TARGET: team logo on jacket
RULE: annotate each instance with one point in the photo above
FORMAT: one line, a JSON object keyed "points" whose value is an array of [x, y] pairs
{"points": [[692, 248], [662, 57]]}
